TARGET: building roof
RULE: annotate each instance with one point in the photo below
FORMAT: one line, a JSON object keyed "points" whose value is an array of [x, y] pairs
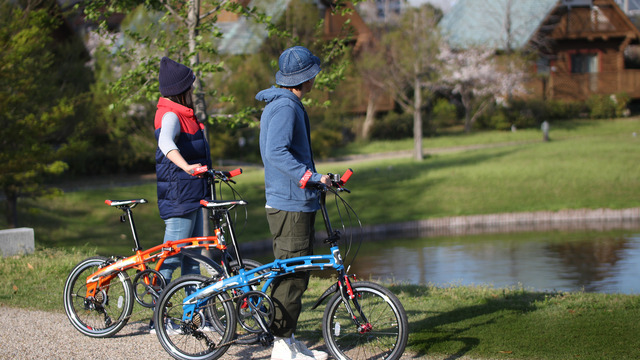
{"points": [[482, 23]]}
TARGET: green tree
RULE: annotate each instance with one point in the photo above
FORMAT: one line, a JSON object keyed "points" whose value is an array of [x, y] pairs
{"points": [[412, 63], [33, 105], [188, 31]]}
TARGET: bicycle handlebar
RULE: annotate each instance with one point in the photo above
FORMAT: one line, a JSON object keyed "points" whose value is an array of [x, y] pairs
{"points": [[337, 181], [345, 177], [222, 175]]}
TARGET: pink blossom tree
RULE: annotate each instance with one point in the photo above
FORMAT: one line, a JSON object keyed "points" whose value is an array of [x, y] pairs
{"points": [[481, 78]]}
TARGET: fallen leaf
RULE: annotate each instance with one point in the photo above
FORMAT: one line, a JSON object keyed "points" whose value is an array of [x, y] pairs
{"points": [[15, 289], [30, 266]]}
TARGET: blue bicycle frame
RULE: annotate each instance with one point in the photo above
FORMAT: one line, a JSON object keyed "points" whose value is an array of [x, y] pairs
{"points": [[246, 278]]}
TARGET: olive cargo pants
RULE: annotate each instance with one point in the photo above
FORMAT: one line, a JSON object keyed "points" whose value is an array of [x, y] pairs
{"points": [[293, 234]]}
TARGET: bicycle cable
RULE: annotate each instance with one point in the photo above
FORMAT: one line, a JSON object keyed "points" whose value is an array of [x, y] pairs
{"points": [[349, 212], [235, 196]]}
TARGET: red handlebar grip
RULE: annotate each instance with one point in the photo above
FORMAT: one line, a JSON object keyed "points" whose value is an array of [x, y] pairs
{"points": [[108, 202], [345, 177], [200, 170], [235, 172]]}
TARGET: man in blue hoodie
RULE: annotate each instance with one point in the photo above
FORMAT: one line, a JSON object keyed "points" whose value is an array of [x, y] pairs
{"points": [[285, 147]]}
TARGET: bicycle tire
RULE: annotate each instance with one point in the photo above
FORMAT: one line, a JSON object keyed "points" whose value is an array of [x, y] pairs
{"points": [[188, 341], [389, 331], [98, 318], [249, 264]]}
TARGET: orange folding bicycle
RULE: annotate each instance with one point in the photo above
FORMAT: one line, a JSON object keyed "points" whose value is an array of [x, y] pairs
{"points": [[99, 294]]}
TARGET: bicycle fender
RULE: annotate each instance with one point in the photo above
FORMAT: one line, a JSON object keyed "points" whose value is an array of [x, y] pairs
{"points": [[330, 291], [197, 256]]}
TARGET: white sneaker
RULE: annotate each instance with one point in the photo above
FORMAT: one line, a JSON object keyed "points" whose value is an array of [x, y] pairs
{"points": [[172, 329], [284, 350], [302, 348], [207, 328]]}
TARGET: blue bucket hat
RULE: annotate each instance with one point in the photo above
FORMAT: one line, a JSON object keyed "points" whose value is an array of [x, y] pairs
{"points": [[297, 65]]}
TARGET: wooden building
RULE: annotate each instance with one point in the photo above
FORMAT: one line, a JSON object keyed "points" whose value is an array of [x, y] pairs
{"points": [[579, 44]]}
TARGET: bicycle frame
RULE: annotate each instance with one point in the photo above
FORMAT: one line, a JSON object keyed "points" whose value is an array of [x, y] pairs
{"points": [[267, 273], [158, 254]]}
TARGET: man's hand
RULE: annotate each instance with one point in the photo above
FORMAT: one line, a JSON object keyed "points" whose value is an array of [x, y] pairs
{"points": [[325, 179]]}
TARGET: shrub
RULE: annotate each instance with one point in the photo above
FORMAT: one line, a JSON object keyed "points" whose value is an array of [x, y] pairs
{"points": [[444, 113], [499, 120], [530, 113], [323, 140], [601, 107], [393, 126], [562, 110], [621, 102]]}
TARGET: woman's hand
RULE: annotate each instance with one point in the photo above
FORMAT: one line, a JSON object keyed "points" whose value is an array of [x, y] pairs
{"points": [[176, 158], [190, 168]]}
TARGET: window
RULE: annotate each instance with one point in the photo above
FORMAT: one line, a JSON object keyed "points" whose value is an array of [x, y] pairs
{"points": [[584, 63]]}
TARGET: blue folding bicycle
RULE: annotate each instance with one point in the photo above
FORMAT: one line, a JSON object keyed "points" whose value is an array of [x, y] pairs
{"points": [[362, 319]]}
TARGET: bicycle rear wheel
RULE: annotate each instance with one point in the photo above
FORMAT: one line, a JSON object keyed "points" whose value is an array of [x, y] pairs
{"points": [[384, 330], [108, 311], [191, 340]]}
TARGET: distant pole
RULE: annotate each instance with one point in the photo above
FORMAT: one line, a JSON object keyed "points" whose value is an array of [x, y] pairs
{"points": [[545, 130]]}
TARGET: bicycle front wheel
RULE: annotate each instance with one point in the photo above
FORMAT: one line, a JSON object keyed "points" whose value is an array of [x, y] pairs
{"points": [[383, 330], [193, 340], [104, 314]]}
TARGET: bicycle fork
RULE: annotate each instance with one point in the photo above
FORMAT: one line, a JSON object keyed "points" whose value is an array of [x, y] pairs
{"points": [[350, 297]]}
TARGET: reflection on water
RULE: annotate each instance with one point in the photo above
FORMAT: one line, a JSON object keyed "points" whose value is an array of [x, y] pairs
{"points": [[564, 261]]}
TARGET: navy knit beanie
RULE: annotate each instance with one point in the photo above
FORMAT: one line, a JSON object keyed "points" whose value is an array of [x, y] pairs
{"points": [[174, 77]]}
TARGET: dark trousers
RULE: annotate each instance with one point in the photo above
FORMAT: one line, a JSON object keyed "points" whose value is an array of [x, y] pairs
{"points": [[293, 235]]}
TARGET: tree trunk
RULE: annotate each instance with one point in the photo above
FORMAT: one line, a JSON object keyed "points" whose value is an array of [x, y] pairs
{"points": [[200, 105], [417, 121], [466, 103], [370, 116], [12, 209]]}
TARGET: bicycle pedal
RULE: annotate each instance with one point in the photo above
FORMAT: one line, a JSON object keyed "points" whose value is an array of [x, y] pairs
{"points": [[265, 339]]}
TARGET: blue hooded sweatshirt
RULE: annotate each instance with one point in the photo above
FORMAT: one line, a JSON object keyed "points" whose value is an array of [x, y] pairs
{"points": [[285, 146]]}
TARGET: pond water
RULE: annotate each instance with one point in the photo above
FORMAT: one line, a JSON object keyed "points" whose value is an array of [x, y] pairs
{"points": [[591, 261]]}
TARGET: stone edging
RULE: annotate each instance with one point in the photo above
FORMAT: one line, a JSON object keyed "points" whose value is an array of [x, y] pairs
{"points": [[591, 219]]}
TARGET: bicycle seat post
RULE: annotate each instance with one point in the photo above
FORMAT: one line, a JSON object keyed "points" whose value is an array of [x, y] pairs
{"points": [[234, 242], [127, 210]]}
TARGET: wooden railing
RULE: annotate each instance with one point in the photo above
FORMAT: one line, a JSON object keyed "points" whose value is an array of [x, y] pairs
{"points": [[583, 86]]}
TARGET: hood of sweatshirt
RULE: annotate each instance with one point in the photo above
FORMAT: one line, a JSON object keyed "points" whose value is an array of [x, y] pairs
{"points": [[274, 93]]}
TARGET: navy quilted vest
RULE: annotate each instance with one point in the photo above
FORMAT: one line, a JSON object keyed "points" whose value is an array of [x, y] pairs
{"points": [[178, 192]]}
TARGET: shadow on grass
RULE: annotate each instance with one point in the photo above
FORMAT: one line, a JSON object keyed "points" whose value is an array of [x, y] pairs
{"points": [[436, 329]]}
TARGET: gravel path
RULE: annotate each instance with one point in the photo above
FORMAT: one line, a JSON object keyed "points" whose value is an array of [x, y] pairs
{"points": [[28, 334], [32, 334]]}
